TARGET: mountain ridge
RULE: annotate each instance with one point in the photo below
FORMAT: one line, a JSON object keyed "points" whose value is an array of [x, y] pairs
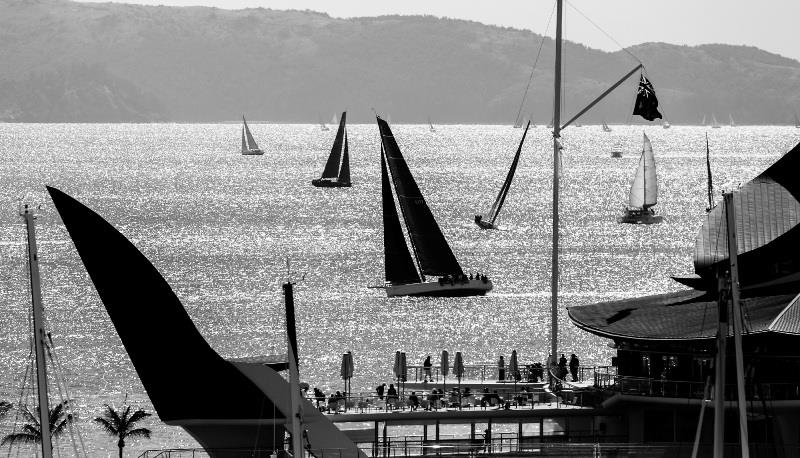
{"points": [[194, 64]]}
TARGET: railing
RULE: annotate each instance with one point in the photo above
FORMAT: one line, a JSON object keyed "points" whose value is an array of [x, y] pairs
{"points": [[691, 389], [483, 372]]}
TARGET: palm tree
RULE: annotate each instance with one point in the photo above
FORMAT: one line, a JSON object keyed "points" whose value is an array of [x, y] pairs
{"points": [[5, 406], [32, 431], [123, 426]]}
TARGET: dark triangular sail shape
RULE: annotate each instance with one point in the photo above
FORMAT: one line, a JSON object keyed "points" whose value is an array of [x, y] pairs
{"points": [[175, 364], [244, 142], [332, 166], [432, 251], [501, 196], [646, 102], [399, 266], [344, 172]]}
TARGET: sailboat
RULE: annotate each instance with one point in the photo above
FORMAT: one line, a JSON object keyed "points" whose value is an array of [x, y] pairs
{"points": [[796, 121], [431, 250], [665, 124], [433, 129], [644, 190], [714, 123], [605, 127], [732, 123], [335, 175], [322, 126], [703, 122], [249, 146], [334, 121], [501, 196]]}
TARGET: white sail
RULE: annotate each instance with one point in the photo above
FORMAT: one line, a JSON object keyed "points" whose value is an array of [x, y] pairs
{"points": [[644, 190]]}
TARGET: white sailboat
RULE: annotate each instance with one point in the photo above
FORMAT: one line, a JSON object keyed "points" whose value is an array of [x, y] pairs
{"points": [[714, 123], [732, 123], [644, 190], [796, 121], [249, 146], [605, 127], [430, 124], [665, 124]]}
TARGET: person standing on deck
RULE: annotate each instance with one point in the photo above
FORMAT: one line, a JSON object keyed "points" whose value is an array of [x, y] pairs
{"points": [[562, 367], [501, 369], [380, 389], [573, 367], [427, 368]]}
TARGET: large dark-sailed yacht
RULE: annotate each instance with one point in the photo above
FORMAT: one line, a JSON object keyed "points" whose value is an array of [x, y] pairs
{"points": [[431, 250], [335, 175], [488, 223]]}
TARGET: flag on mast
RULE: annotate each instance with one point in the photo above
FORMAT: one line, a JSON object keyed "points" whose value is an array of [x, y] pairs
{"points": [[646, 101]]}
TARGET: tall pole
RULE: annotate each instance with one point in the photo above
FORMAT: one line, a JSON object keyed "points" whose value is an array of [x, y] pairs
{"points": [[719, 369], [556, 153], [737, 322], [39, 334], [294, 375]]}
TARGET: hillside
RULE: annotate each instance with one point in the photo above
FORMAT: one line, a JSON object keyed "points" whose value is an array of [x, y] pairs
{"points": [[117, 62]]}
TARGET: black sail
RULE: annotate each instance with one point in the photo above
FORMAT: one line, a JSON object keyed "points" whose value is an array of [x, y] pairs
{"points": [[332, 166], [501, 196], [344, 173], [433, 253], [399, 264]]}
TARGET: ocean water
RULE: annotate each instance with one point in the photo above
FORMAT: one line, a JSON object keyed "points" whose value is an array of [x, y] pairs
{"points": [[220, 227]]}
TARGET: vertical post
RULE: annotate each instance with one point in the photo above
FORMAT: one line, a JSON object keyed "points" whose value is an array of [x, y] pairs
{"points": [[730, 213], [294, 375], [39, 333], [556, 153], [719, 373]]}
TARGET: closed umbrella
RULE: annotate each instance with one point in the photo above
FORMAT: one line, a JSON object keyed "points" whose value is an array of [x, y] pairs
{"points": [[445, 360], [513, 367], [347, 373], [396, 368], [458, 370]]}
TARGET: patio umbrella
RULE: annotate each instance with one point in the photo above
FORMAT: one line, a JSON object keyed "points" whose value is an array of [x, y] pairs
{"points": [[458, 370], [445, 360], [396, 367], [403, 371]]}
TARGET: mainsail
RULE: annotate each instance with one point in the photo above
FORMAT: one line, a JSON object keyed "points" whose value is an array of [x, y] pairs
{"points": [[332, 166], [399, 265], [344, 172], [432, 251], [248, 142], [501, 196], [644, 191]]}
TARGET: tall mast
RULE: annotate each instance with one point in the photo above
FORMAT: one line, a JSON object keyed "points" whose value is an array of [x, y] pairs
{"points": [[737, 322], [556, 147], [39, 334], [294, 376]]}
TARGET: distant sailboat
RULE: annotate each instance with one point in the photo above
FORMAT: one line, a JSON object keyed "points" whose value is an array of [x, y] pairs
{"points": [[644, 190], [433, 129], [431, 250], [732, 124], [488, 223], [703, 122], [714, 123], [249, 146], [322, 126], [334, 175], [665, 124], [334, 121], [605, 127], [796, 121]]}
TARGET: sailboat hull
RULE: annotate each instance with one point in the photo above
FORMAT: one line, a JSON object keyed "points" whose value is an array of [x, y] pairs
{"points": [[441, 288], [326, 183], [252, 152], [483, 224], [637, 216]]}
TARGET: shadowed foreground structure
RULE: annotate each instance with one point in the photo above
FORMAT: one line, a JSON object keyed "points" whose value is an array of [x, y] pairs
{"points": [[175, 364]]}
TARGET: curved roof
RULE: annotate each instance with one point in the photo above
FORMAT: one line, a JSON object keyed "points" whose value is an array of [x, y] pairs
{"points": [[683, 315], [767, 213]]}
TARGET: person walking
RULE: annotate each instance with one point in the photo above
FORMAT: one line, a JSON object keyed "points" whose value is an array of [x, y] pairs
{"points": [[427, 368], [573, 367], [501, 369]]}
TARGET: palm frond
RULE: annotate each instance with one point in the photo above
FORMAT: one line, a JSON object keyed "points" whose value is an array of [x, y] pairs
{"points": [[24, 438], [108, 426], [138, 416], [59, 428], [5, 406], [138, 432]]}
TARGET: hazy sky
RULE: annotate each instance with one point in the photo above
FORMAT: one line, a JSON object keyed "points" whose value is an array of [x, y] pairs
{"points": [[767, 24]]}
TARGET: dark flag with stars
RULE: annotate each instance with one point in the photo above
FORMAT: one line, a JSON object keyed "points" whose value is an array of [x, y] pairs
{"points": [[646, 101]]}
